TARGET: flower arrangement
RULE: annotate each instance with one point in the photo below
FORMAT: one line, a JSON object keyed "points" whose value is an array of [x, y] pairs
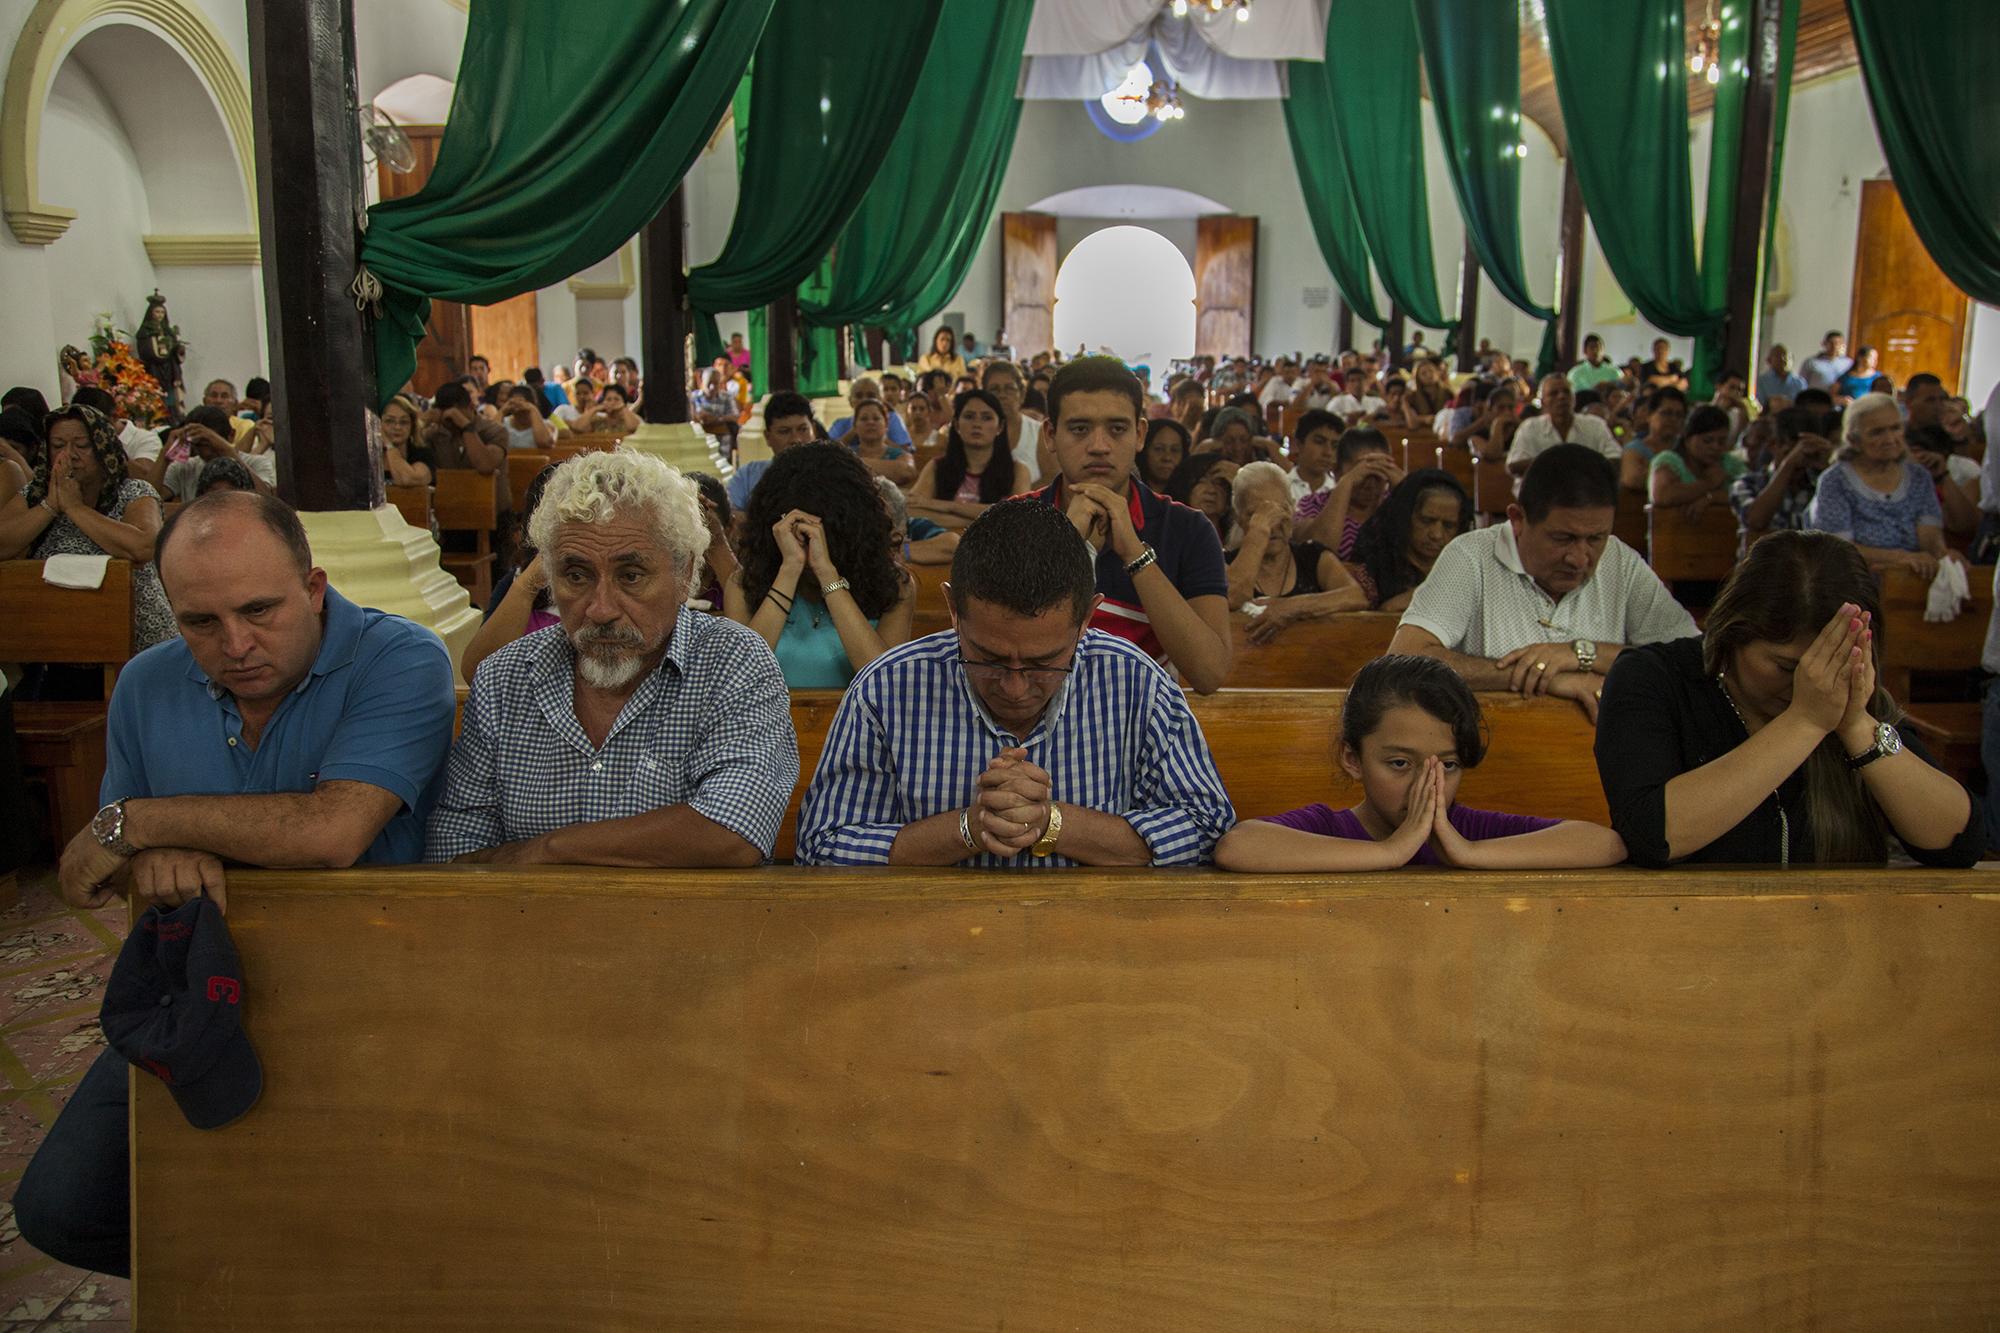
{"points": [[118, 372]]}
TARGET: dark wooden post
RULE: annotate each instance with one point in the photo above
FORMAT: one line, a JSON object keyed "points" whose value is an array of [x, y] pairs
{"points": [[1569, 267], [1468, 307], [1393, 336], [663, 315], [1753, 192], [309, 203], [1343, 325], [782, 328], [878, 347]]}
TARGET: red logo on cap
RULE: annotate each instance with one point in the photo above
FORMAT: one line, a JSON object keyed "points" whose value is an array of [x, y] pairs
{"points": [[172, 930], [158, 1070], [225, 988]]}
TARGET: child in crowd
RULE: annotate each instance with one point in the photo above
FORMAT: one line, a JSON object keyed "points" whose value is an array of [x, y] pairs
{"points": [[1409, 730]]}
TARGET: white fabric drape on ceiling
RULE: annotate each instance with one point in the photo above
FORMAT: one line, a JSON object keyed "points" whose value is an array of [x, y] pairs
{"points": [[1081, 48]]}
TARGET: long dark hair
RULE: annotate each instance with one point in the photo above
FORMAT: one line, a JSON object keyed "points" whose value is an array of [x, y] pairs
{"points": [[1425, 682], [1189, 474], [1787, 588], [1155, 428], [1382, 546], [996, 483], [828, 481]]}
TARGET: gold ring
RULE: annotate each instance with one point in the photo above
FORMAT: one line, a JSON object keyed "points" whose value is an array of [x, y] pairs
{"points": [[1541, 666]]}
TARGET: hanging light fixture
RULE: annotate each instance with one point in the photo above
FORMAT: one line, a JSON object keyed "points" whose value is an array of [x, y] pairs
{"points": [[1705, 50]]}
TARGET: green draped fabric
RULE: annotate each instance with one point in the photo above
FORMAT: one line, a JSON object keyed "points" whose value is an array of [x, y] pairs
{"points": [[1930, 67], [1329, 202], [906, 251], [1622, 81], [1371, 58], [1719, 217], [832, 80], [539, 123], [1472, 53]]}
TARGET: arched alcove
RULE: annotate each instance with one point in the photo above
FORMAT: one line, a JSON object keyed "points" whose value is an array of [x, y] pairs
{"points": [[1129, 290]]}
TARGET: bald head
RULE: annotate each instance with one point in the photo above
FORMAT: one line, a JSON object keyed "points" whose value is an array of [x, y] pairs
{"points": [[245, 521]]}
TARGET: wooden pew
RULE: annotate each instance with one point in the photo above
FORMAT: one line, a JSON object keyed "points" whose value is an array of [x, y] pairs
{"points": [[1632, 520], [932, 612], [1312, 654], [546, 1098], [523, 466], [1951, 727], [413, 502], [1277, 750], [1459, 462], [63, 743], [464, 503], [1681, 548], [1492, 490]]}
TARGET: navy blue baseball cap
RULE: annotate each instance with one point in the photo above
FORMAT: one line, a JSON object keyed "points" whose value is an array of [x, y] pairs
{"points": [[174, 1008]]}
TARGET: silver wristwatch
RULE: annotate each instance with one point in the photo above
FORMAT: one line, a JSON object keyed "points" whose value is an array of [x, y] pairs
{"points": [[1888, 741], [1586, 654], [108, 827]]}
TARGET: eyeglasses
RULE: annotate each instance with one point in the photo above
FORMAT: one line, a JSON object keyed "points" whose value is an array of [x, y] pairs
{"points": [[995, 671]]}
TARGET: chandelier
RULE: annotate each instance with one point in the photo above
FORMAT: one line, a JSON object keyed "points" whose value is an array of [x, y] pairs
{"points": [[1142, 94], [1705, 52], [1242, 7]]}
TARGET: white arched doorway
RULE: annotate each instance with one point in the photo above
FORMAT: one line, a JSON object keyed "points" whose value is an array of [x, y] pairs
{"points": [[1128, 291]]}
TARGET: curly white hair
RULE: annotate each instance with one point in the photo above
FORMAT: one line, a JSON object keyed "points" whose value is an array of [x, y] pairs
{"points": [[592, 487]]}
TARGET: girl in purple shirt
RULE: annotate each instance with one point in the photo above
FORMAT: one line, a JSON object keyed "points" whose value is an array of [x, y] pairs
{"points": [[1409, 730]]}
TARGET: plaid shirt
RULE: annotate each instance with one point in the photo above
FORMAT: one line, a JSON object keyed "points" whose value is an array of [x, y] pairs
{"points": [[710, 728], [911, 739], [1790, 515]]}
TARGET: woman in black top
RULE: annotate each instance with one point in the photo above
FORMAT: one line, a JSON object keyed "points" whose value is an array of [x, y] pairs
{"points": [[1768, 739]]}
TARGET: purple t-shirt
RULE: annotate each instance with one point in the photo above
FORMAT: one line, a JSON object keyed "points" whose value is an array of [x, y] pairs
{"points": [[1472, 825]]}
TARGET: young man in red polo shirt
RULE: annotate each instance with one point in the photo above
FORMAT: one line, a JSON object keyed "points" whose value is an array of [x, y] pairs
{"points": [[1159, 564]]}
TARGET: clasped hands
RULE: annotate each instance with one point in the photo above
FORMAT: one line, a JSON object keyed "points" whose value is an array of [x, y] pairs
{"points": [[801, 539], [162, 877], [1103, 516], [1552, 668], [1010, 804]]}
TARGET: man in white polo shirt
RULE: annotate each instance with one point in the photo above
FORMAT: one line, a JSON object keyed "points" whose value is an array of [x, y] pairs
{"points": [[1545, 602], [1559, 424]]}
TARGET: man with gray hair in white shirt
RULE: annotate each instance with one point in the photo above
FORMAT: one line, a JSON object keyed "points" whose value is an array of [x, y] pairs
{"points": [[1545, 602]]}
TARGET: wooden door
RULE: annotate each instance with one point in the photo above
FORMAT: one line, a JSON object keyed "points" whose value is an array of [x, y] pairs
{"points": [[1028, 280], [506, 333], [1904, 306], [1225, 285]]}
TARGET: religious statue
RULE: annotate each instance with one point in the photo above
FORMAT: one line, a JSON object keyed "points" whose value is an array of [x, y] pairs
{"points": [[161, 351]]}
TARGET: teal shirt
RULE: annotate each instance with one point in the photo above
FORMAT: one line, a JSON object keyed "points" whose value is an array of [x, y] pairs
{"points": [[1669, 461], [811, 656]]}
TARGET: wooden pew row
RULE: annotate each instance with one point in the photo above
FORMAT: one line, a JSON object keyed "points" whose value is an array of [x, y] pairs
{"points": [[1911, 644], [412, 502], [1277, 750], [907, 1101], [1632, 521], [1312, 654], [1684, 548], [464, 502], [1492, 490], [63, 743]]}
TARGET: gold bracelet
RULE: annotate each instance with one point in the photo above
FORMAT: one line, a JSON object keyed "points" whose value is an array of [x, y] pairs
{"points": [[1047, 843]]}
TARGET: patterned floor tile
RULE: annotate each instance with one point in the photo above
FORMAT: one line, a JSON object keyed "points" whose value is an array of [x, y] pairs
{"points": [[39, 1294], [56, 1054], [45, 941], [97, 1300]]}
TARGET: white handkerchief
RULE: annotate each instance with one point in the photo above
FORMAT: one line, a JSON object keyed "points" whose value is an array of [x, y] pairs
{"points": [[75, 571], [1950, 592]]}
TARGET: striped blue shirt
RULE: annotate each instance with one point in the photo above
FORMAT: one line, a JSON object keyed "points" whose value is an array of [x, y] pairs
{"points": [[911, 739], [710, 728]]}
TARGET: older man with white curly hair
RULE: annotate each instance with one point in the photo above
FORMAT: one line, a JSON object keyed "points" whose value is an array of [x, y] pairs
{"points": [[639, 732]]}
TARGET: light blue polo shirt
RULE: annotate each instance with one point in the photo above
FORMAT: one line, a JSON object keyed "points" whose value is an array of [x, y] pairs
{"points": [[376, 707]]}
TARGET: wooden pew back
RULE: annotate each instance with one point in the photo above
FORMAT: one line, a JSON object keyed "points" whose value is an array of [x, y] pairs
{"points": [[464, 502], [1312, 654], [626, 1100], [1492, 489], [1911, 643], [412, 502], [1632, 520], [1457, 461], [1278, 749], [932, 612], [44, 623], [1684, 548], [523, 466]]}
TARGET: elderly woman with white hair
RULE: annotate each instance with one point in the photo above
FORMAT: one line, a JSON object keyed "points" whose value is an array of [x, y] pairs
{"points": [[1279, 580], [637, 731], [1879, 498]]}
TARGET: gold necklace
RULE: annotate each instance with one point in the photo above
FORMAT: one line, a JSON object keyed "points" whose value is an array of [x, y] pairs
{"points": [[1784, 824]]}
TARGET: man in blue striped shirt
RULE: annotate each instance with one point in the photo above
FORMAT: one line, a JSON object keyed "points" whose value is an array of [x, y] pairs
{"points": [[1018, 737]]}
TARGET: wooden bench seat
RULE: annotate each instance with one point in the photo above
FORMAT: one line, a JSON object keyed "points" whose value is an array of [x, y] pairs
{"points": [[1276, 750], [539, 1098]]}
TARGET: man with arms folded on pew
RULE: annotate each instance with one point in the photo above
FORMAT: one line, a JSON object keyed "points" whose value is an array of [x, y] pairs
{"points": [[638, 732], [1019, 737], [1545, 602], [1159, 564], [285, 727]]}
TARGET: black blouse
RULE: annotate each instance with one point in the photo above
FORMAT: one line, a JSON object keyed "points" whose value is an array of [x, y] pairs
{"points": [[1662, 715]]}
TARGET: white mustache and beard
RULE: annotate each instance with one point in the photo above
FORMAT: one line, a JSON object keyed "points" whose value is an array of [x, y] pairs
{"points": [[608, 658]]}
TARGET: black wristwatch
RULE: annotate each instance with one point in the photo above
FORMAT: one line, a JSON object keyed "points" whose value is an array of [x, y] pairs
{"points": [[1888, 741]]}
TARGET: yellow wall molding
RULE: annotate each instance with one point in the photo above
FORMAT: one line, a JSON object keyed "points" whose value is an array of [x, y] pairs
{"points": [[51, 30], [192, 250], [628, 279]]}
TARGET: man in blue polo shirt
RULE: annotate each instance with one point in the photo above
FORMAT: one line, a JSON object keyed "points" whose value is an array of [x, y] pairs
{"points": [[285, 727], [1159, 564]]}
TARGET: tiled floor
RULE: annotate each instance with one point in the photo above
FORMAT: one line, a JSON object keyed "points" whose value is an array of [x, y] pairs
{"points": [[53, 962]]}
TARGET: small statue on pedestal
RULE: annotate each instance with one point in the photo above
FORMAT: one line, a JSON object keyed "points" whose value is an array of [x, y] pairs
{"points": [[161, 351]]}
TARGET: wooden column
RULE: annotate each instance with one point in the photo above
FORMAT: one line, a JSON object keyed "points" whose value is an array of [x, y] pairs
{"points": [[1393, 336], [1343, 324], [782, 329], [1468, 307], [309, 204], [1753, 192], [663, 314], [878, 347], [1569, 265]]}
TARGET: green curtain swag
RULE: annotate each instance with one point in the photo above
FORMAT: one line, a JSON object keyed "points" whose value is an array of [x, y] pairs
{"points": [[832, 81], [1929, 68], [1471, 51], [539, 122], [1371, 64], [908, 247], [1329, 202]]}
